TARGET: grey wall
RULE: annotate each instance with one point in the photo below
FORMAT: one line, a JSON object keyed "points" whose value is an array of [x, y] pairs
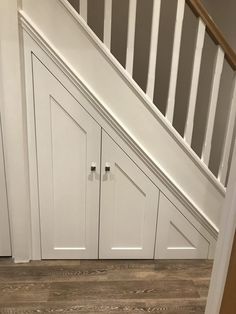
{"points": [[224, 14]]}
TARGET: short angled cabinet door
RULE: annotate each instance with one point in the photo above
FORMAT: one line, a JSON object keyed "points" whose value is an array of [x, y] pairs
{"points": [[128, 211], [177, 238], [68, 151]]}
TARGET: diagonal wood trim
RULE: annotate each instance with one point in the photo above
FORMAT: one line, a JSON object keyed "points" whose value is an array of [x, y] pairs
{"points": [[213, 30]]}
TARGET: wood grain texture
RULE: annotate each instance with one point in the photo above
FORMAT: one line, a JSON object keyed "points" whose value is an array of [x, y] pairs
{"points": [[213, 30], [121, 286]]}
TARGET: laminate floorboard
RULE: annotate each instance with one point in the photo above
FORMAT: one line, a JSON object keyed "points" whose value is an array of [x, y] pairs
{"points": [[104, 286]]}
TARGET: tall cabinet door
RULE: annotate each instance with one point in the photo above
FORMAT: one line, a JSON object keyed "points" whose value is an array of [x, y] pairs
{"points": [[68, 144], [129, 202], [5, 244]]}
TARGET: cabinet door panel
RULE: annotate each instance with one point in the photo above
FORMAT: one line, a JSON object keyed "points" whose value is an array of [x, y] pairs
{"points": [[176, 237], [68, 142], [128, 206]]}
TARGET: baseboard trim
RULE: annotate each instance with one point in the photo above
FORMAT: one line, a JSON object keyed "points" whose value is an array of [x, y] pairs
{"points": [[21, 261]]}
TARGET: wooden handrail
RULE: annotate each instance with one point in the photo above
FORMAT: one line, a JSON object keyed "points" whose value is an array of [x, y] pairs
{"points": [[213, 30]]}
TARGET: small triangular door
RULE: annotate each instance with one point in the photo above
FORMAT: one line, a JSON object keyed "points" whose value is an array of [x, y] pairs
{"points": [[176, 237]]}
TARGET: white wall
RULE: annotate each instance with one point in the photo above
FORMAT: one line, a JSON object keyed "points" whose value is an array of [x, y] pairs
{"points": [[14, 135]]}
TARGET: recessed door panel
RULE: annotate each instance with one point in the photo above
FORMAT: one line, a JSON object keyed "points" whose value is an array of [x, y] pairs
{"points": [[68, 144], [69, 178], [177, 238], [128, 206]]}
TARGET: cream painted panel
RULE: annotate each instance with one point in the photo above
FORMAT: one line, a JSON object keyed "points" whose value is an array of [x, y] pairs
{"points": [[69, 146], [129, 203], [68, 143], [5, 242], [176, 237], [131, 111], [13, 127]]}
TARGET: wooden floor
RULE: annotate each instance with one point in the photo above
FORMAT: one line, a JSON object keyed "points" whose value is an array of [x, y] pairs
{"points": [[170, 287]]}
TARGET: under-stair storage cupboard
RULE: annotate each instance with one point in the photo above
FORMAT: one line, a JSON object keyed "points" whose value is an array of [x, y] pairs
{"points": [[73, 155], [95, 201]]}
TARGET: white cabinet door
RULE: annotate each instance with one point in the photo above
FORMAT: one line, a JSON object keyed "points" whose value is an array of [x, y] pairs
{"points": [[177, 238], [68, 143], [5, 244], [128, 210]]}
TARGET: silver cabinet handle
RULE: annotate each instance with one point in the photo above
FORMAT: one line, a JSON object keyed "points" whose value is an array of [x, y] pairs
{"points": [[107, 167], [93, 167]]}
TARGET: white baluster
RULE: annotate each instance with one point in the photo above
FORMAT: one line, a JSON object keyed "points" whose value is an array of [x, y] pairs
{"points": [[194, 82], [212, 106], [175, 60], [131, 36], [228, 138], [153, 48], [83, 9], [107, 23]]}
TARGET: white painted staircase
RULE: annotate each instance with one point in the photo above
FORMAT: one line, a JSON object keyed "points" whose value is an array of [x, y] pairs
{"points": [[162, 142]]}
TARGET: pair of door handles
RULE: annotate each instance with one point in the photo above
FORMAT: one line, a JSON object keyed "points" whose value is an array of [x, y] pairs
{"points": [[107, 167]]}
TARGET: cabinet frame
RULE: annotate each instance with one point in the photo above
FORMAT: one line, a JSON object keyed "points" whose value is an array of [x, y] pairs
{"points": [[36, 45]]}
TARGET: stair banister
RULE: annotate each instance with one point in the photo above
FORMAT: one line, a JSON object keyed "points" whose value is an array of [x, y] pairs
{"points": [[153, 48], [213, 30], [107, 23], [188, 133], [131, 36], [84, 9], [213, 104], [205, 24], [224, 52], [175, 61], [222, 175]]}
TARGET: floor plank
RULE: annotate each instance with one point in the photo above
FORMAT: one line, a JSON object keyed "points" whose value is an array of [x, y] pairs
{"points": [[120, 306], [104, 286]]}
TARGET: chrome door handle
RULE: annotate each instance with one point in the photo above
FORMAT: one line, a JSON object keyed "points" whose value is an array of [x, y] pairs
{"points": [[107, 167], [93, 167]]}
